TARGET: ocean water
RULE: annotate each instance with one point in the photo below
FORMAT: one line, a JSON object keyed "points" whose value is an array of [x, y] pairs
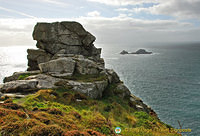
{"points": [[168, 80]]}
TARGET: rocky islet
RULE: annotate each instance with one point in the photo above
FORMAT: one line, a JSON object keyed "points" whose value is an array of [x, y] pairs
{"points": [[140, 51]]}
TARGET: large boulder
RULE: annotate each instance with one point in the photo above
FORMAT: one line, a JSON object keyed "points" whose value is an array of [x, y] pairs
{"points": [[122, 91], [25, 86], [37, 56], [87, 67], [92, 89], [112, 76], [58, 67], [61, 38], [30, 84], [53, 37], [45, 81]]}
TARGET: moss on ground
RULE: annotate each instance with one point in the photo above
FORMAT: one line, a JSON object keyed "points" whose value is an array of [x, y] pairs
{"points": [[67, 113], [25, 75]]}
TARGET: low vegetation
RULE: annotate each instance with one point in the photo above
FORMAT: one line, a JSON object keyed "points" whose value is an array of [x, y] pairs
{"points": [[25, 75], [63, 112]]}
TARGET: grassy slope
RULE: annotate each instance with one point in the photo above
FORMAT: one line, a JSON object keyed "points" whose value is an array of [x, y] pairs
{"points": [[60, 112]]}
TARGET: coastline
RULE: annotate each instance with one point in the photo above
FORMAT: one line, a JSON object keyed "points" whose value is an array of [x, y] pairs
{"points": [[53, 89]]}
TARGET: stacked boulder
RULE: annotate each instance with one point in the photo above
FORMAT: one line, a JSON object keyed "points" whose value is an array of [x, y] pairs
{"points": [[61, 39], [65, 51], [66, 57]]}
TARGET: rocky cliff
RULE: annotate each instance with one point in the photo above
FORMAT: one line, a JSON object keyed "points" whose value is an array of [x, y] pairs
{"points": [[66, 60], [66, 57]]}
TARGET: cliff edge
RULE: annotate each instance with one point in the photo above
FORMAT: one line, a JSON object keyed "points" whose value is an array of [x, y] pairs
{"points": [[67, 90]]}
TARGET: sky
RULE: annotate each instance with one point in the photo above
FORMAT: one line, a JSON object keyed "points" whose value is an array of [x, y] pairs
{"points": [[111, 21]]}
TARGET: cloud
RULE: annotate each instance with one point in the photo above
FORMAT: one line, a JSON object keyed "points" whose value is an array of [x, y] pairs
{"points": [[122, 9], [119, 29], [94, 14], [123, 2], [123, 21], [57, 2], [126, 30], [16, 12], [181, 9]]}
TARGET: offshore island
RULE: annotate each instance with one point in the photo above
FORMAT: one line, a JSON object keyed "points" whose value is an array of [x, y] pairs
{"points": [[67, 91], [140, 51]]}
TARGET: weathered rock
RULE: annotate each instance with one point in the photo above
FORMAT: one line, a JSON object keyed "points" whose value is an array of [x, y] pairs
{"points": [[86, 67], [16, 75], [112, 76], [133, 98], [19, 86], [91, 89], [94, 51], [122, 90], [37, 56], [61, 38], [60, 67], [45, 81], [61, 54], [65, 49], [14, 95], [138, 104], [53, 37]]}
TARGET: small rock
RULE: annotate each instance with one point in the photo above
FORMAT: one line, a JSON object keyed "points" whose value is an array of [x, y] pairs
{"points": [[17, 95], [139, 107], [78, 100], [133, 98]]}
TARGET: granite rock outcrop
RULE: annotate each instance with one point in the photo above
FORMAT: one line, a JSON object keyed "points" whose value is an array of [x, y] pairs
{"points": [[67, 58]]}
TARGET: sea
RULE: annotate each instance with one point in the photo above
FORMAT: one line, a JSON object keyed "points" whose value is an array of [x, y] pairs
{"points": [[167, 80]]}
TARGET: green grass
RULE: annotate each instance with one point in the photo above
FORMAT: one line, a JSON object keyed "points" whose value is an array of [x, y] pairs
{"points": [[23, 76], [58, 111]]}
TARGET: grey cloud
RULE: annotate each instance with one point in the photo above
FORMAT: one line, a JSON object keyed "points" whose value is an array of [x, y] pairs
{"points": [[181, 9], [108, 30], [128, 30]]}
